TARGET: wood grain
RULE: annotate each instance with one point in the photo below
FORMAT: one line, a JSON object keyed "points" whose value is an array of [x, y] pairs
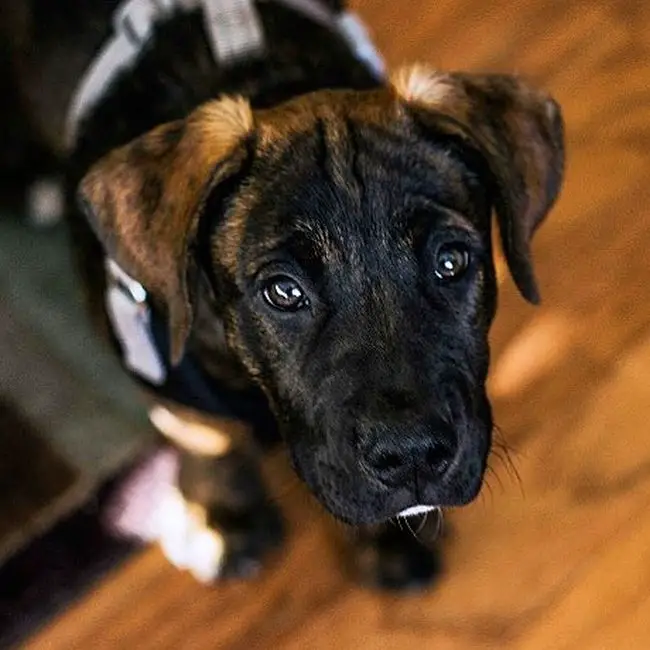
{"points": [[559, 558]]}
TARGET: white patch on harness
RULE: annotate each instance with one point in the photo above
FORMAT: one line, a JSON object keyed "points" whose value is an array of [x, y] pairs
{"points": [[131, 320]]}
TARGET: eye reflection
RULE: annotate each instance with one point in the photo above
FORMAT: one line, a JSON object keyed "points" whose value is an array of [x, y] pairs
{"points": [[285, 294]]}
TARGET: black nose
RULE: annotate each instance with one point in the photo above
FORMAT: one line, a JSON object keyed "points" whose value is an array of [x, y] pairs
{"points": [[398, 458]]}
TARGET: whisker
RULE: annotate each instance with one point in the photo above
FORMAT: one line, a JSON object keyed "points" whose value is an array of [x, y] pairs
{"points": [[497, 478], [408, 525], [440, 523], [488, 486], [504, 453], [423, 522]]}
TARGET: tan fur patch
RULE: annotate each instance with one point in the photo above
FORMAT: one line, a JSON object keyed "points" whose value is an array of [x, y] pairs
{"points": [[421, 84], [224, 120]]}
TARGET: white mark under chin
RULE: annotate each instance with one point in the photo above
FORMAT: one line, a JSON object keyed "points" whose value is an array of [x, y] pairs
{"points": [[415, 510]]}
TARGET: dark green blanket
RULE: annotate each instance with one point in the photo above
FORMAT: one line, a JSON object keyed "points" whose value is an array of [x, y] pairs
{"points": [[70, 420]]}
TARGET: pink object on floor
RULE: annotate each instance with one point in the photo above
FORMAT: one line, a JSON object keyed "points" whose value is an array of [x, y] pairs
{"points": [[135, 510]]}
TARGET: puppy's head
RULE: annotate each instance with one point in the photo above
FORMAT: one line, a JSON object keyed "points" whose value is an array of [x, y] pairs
{"points": [[347, 236]]}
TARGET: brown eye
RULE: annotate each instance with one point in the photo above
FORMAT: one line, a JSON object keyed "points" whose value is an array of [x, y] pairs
{"points": [[451, 261], [285, 294]]}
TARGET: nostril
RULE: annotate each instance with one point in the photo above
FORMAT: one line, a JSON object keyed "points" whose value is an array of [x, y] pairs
{"points": [[387, 465], [387, 461], [439, 456]]}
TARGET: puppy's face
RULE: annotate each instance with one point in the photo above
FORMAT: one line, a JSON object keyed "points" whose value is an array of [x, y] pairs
{"points": [[348, 240], [359, 281]]}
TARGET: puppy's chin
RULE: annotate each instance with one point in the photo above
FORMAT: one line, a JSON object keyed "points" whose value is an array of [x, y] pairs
{"points": [[362, 504], [344, 495], [357, 503], [355, 517]]}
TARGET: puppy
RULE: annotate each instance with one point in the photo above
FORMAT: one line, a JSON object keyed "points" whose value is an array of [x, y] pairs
{"points": [[289, 243]]}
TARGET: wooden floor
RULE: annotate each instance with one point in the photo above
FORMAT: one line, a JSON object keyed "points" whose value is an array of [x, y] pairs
{"points": [[557, 559]]}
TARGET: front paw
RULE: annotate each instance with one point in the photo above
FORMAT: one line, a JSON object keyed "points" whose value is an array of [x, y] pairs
{"points": [[219, 543], [393, 559], [249, 537]]}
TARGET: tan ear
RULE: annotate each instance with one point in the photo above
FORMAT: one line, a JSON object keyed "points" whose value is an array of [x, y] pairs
{"points": [[144, 200], [518, 131]]}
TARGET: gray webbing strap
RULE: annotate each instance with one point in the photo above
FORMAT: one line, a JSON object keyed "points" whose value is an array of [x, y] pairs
{"points": [[234, 31], [233, 28]]}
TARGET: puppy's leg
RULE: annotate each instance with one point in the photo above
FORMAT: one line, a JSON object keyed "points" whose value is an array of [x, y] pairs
{"points": [[396, 555], [218, 521]]}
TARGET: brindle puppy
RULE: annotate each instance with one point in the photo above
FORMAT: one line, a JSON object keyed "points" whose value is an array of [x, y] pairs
{"points": [[320, 241]]}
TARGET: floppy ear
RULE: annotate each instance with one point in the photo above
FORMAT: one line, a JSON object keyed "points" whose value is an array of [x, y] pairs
{"points": [[519, 133], [144, 200]]}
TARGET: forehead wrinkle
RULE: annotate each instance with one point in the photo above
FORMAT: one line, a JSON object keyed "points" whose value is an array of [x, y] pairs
{"points": [[319, 235], [361, 230], [338, 155], [402, 160], [353, 246]]}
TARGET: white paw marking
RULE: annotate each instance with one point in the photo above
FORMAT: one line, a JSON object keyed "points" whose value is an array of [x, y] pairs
{"points": [[207, 550], [172, 526], [150, 508], [186, 540]]}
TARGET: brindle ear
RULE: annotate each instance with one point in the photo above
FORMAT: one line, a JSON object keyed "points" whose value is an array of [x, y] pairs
{"points": [[144, 200], [518, 131]]}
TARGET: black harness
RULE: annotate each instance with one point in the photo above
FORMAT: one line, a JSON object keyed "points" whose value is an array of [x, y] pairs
{"points": [[189, 385], [141, 339]]}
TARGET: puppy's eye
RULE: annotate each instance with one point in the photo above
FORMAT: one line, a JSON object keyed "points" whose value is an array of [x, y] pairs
{"points": [[285, 294], [451, 261]]}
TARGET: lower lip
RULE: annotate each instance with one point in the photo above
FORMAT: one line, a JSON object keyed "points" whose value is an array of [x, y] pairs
{"points": [[415, 510]]}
